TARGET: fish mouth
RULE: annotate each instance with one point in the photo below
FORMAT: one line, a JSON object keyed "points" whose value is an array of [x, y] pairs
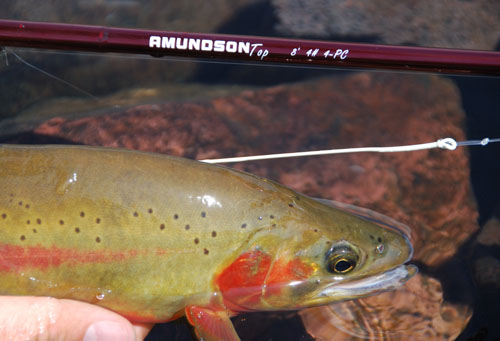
{"points": [[389, 280]]}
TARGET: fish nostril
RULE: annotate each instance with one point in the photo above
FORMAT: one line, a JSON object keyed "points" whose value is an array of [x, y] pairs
{"points": [[380, 248]]}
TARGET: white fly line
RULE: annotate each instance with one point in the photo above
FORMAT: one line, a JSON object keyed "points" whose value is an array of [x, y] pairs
{"points": [[445, 143]]}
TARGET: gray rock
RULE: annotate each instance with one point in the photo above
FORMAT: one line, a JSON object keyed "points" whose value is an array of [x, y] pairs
{"points": [[487, 271], [490, 233], [447, 23]]}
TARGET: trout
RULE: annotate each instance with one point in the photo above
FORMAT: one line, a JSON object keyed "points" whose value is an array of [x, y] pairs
{"points": [[154, 237]]}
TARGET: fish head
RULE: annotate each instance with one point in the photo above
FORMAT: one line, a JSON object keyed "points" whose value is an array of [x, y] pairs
{"points": [[319, 254]]}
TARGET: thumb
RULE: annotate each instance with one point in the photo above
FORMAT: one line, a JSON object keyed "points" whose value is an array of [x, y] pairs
{"points": [[45, 318]]}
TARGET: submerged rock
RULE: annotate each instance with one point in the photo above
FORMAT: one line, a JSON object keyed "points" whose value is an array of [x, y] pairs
{"points": [[417, 311], [450, 23], [485, 255], [427, 190]]}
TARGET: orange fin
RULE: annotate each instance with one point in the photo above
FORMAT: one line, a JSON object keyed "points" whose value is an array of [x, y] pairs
{"points": [[211, 325]]}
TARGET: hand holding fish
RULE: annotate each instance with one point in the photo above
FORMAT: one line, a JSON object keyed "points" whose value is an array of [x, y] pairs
{"points": [[45, 318]]}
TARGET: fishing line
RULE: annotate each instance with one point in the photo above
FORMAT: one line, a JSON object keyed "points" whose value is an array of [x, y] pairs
{"points": [[226, 62], [195, 60], [482, 142], [5, 50], [445, 143]]}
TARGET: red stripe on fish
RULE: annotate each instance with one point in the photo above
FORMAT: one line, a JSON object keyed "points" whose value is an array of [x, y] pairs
{"points": [[14, 258]]}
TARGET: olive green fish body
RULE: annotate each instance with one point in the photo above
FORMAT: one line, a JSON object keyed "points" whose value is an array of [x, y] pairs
{"points": [[126, 224], [149, 235]]}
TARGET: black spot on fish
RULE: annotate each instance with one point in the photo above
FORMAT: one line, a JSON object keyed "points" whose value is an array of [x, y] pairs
{"points": [[77, 229], [205, 251], [98, 220], [274, 225], [20, 203], [82, 214], [61, 222], [203, 214], [23, 237], [243, 226], [291, 205], [35, 231], [28, 222], [4, 216], [150, 210], [27, 206], [379, 240], [214, 234], [271, 216], [176, 216], [162, 226], [38, 221], [136, 214], [187, 227], [315, 230], [196, 240], [98, 240]]}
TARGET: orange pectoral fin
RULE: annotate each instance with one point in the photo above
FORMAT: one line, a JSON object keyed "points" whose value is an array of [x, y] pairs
{"points": [[211, 325]]}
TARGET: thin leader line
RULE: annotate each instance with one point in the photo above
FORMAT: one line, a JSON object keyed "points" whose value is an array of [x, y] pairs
{"points": [[229, 62], [5, 51]]}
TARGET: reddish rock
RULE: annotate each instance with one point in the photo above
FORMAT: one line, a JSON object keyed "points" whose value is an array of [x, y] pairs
{"points": [[177, 129], [427, 190]]}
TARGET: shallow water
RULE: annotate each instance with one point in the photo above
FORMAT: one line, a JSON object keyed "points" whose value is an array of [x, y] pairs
{"points": [[201, 110]]}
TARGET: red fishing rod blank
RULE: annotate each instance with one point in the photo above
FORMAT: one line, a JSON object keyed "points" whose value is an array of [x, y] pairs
{"points": [[59, 36]]}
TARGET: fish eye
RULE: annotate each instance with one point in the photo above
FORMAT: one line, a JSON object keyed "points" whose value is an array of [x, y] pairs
{"points": [[341, 259], [341, 265]]}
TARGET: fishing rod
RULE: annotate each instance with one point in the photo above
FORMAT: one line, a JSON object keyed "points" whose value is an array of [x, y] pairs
{"points": [[60, 36]]}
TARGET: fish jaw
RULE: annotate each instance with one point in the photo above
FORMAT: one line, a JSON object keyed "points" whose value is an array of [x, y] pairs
{"points": [[346, 290]]}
